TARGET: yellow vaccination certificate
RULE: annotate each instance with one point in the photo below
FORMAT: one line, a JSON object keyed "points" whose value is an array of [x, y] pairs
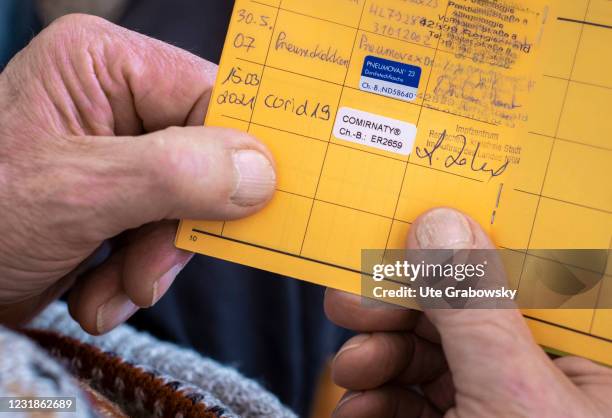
{"points": [[378, 110]]}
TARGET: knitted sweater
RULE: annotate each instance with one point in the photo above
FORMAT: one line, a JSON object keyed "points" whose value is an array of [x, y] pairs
{"points": [[144, 376]]}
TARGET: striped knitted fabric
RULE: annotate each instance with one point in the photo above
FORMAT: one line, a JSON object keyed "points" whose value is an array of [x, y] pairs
{"points": [[143, 376]]}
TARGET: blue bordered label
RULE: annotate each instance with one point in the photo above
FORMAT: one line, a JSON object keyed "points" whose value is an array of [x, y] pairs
{"points": [[390, 78]]}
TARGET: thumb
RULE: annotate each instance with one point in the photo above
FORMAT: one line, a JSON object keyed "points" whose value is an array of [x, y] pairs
{"points": [[190, 172], [485, 348]]}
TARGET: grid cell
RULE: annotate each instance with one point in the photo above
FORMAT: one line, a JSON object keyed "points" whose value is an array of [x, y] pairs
{"points": [[236, 95], [370, 44], [561, 225], [328, 51], [600, 11], [593, 60], [281, 225], [425, 188], [547, 102], [297, 104], [573, 9], [586, 115], [347, 12], [361, 180], [394, 109], [534, 156], [513, 219], [251, 31], [337, 235], [559, 47], [403, 20], [398, 234], [572, 171], [298, 159]]}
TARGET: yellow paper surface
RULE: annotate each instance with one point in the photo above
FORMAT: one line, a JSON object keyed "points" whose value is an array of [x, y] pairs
{"points": [[537, 107]]}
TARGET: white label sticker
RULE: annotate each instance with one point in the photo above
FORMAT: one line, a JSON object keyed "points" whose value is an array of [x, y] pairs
{"points": [[375, 131]]}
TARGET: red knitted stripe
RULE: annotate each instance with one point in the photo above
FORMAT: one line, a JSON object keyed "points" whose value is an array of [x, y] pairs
{"points": [[102, 371]]}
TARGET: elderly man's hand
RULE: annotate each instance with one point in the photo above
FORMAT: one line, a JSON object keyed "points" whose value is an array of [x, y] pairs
{"points": [[85, 155], [467, 363]]}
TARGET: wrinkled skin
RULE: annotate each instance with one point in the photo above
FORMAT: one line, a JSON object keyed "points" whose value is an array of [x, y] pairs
{"points": [[92, 145], [75, 172], [467, 363]]}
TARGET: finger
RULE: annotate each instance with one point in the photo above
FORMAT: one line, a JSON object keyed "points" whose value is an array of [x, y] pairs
{"points": [[19, 313], [371, 360], [441, 392], [426, 330], [475, 341], [192, 172], [98, 302], [594, 380], [577, 368], [151, 263], [348, 311], [387, 402]]}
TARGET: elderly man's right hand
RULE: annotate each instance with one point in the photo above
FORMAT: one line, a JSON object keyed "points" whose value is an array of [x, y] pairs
{"points": [[93, 143]]}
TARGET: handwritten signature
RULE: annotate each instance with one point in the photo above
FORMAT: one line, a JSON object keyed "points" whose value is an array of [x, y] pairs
{"points": [[459, 159]]}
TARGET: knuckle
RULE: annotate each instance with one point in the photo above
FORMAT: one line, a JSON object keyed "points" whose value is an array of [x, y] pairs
{"points": [[388, 352], [70, 24], [170, 161], [69, 35], [163, 161], [66, 36]]}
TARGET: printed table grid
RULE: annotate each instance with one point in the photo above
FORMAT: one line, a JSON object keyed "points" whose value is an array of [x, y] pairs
{"points": [[343, 86], [421, 106], [418, 120], [579, 81], [356, 89], [263, 70], [331, 134], [540, 196], [349, 146], [362, 30], [359, 29]]}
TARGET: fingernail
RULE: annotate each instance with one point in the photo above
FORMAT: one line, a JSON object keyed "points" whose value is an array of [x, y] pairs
{"points": [[256, 178], [114, 312], [353, 343], [444, 229], [161, 286], [348, 396]]}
